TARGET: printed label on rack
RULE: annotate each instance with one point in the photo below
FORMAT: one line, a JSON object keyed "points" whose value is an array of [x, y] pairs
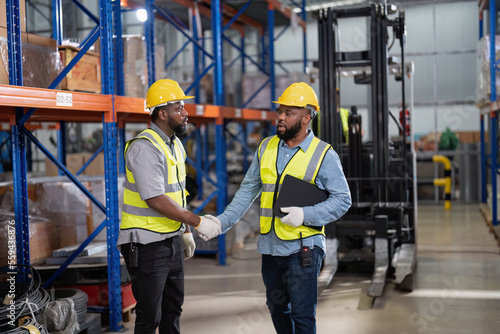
{"points": [[64, 99], [237, 112], [263, 114], [200, 110]]}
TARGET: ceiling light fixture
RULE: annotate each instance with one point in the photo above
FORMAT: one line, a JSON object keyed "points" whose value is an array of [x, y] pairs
{"points": [[142, 15], [319, 6]]}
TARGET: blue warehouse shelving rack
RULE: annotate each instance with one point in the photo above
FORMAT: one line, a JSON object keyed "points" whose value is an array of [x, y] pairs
{"points": [[489, 113], [176, 13], [26, 108]]}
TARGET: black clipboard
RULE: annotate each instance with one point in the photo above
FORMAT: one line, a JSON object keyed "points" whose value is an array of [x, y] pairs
{"points": [[297, 192]]}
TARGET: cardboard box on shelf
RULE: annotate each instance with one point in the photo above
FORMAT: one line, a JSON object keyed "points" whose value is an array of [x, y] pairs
{"points": [[41, 41], [468, 136], [96, 167], [86, 75], [135, 71], [43, 240], [4, 67], [22, 12], [75, 161], [486, 137], [43, 237], [41, 63]]}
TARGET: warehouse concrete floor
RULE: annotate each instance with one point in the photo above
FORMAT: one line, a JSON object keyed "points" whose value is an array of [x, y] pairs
{"points": [[457, 287]]}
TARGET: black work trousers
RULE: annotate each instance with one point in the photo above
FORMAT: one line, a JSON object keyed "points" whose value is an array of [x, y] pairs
{"points": [[158, 285]]}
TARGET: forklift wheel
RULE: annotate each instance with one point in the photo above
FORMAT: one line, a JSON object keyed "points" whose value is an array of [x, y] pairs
{"points": [[407, 283]]}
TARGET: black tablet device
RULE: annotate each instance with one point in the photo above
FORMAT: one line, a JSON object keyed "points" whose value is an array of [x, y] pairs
{"points": [[297, 192]]}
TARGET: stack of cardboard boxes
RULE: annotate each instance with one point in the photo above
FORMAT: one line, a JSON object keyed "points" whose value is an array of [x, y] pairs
{"points": [[75, 161], [135, 70], [41, 63], [85, 76]]}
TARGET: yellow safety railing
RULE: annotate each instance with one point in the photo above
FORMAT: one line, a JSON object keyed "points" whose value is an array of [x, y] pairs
{"points": [[446, 181]]}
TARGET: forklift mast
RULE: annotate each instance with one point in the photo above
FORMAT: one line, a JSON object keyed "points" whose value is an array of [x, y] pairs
{"points": [[379, 171]]}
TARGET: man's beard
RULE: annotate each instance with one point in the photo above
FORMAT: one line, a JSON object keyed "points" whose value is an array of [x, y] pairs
{"points": [[179, 129], [289, 133]]}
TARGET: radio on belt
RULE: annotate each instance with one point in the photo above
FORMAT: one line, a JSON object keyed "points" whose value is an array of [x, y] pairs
{"points": [[305, 254]]}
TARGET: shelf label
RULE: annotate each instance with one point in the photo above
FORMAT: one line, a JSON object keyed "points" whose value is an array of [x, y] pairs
{"points": [[263, 114], [64, 99], [200, 110], [237, 112]]}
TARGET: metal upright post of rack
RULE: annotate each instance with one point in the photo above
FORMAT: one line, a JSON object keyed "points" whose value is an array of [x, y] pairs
{"points": [[484, 180], [270, 31], [493, 113], [304, 38], [490, 112], [110, 166], [119, 77], [57, 34], [18, 139], [220, 138], [149, 33]]}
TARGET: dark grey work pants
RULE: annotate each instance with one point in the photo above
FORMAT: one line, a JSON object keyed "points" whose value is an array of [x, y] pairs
{"points": [[158, 285]]}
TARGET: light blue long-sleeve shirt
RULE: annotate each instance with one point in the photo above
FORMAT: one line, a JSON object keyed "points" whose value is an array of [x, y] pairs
{"points": [[330, 177]]}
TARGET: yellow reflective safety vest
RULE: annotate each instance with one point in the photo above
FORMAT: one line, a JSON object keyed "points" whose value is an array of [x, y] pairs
{"points": [[136, 213], [344, 116], [303, 165]]}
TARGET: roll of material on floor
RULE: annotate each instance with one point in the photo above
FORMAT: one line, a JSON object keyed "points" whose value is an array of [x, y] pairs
{"points": [[79, 298]]}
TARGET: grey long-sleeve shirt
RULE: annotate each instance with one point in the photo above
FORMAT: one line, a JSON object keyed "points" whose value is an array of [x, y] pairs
{"points": [[146, 164]]}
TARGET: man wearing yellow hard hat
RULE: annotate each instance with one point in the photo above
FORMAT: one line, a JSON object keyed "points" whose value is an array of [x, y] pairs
{"points": [[292, 247], [155, 238]]}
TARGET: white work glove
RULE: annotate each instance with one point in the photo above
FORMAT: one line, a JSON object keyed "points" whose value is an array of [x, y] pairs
{"points": [[189, 245], [295, 216], [209, 227]]}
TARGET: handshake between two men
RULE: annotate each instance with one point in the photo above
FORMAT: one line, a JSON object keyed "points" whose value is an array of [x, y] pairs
{"points": [[209, 227]]}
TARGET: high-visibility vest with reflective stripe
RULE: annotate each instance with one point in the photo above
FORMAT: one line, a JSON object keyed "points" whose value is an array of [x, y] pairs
{"points": [[136, 213], [344, 117], [303, 165]]}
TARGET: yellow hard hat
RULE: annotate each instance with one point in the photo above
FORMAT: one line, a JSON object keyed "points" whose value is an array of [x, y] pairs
{"points": [[164, 91], [299, 94]]}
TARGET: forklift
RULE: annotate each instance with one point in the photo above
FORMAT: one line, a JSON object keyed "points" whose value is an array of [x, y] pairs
{"points": [[379, 228]]}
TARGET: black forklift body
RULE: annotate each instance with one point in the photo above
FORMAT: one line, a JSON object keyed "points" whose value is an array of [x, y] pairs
{"points": [[380, 225]]}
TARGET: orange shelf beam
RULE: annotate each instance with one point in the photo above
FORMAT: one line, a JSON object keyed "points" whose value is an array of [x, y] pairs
{"points": [[286, 12], [28, 97], [87, 107]]}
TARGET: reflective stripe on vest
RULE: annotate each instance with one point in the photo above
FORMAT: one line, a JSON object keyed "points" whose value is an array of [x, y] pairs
{"points": [[344, 116], [136, 213], [303, 165]]}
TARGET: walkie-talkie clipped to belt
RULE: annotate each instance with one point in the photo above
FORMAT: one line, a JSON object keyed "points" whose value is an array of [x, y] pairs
{"points": [[305, 254], [133, 255]]}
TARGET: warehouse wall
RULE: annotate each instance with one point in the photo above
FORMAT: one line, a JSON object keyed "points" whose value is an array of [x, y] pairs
{"points": [[441, 40]]}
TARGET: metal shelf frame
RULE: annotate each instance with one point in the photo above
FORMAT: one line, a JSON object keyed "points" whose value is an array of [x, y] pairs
{"points": [[219, 24], [489, 113], [24, 108]]}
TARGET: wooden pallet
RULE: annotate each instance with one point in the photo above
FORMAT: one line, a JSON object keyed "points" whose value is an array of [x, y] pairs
{"points": [[127, 313]]}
